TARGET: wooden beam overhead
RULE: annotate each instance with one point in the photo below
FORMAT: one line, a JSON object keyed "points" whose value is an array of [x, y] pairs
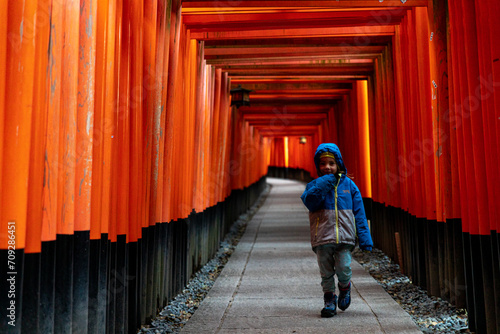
{"points": [[299, 58], [313, 78], [306, 70], [302, 92], [278, 103], [285, 19], [295, 60], [305, 79], [329, 87], [359, 32], [221, 5], [284, 109], [287, 116], [279, 124], [291, 49]]}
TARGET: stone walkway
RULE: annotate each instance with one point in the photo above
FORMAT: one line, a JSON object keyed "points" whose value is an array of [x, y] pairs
{"points": [[271, 283]]}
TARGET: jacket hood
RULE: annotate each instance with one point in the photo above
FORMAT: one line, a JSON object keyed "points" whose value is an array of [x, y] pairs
{"points": [[332, 148]]}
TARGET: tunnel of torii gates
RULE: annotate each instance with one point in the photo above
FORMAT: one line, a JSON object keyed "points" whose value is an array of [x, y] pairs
{"points": [[123, 163]]}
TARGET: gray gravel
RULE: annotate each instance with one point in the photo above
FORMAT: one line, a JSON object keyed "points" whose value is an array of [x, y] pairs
{"points": [[431, 314]]}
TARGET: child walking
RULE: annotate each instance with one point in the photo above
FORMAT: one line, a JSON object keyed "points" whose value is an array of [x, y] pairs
{"points": [[337, 217]]}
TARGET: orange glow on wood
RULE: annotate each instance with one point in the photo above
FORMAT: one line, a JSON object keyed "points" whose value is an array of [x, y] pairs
{"points": [[3, 78], [300, 3], [39, 135], [364, 138], [85, 114], [67, 141], [19, 73]]}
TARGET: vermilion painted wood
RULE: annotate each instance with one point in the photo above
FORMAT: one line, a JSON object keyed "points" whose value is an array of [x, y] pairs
{"points": [[291, 19], [19, 71], [85, 113], [235, 51], [221, 107], [123, 141], [163, 28], [96, 225], [137, 173], [205, 19], [323, 3], [39, 131], [474, 107], [406, 170], [351, 134], [379, 163], [393, 197], [278, 152], [359, 32], [399, 103], [186, 139], [318, 70], [215, 175], [108, 129], [440, 103], [427, 145], [483, 94], [400, 178], [470, 193], [199, 126], [455, 116], [3, 78], [297, 154], [364, 140], [69, 90], [225, 142], [116, 208], [175, 24], [375, 122], [206, 95], [415, 154], [150, 40], [53, 160], [447, 117], [177, 121], [494, 11]]}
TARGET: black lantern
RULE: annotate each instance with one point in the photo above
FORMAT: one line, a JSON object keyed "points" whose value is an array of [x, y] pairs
{"points": [[303, 140], [240, 96]]}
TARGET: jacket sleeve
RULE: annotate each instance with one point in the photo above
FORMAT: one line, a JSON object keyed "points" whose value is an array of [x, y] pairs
{"points": [[316, 191], [364, 236]]}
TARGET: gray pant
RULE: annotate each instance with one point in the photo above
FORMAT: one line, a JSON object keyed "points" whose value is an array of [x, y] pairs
{"points": [[334, 259]]}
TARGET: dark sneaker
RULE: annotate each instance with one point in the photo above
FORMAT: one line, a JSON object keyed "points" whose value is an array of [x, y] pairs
{"points": [[330, 308], [345, 297]]}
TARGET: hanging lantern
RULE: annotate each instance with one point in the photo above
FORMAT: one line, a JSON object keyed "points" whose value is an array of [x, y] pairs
{"points": [[303, 140], [240, 96]]}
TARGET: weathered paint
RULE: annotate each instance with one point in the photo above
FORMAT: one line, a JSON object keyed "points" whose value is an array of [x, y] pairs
{"points": [[17, 129]]}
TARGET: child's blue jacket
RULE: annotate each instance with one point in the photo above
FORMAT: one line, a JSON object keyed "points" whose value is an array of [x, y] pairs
{"points": [[336, 210]]}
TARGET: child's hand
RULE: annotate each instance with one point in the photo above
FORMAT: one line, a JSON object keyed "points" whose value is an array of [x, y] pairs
{"points": [[332, 177]]}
